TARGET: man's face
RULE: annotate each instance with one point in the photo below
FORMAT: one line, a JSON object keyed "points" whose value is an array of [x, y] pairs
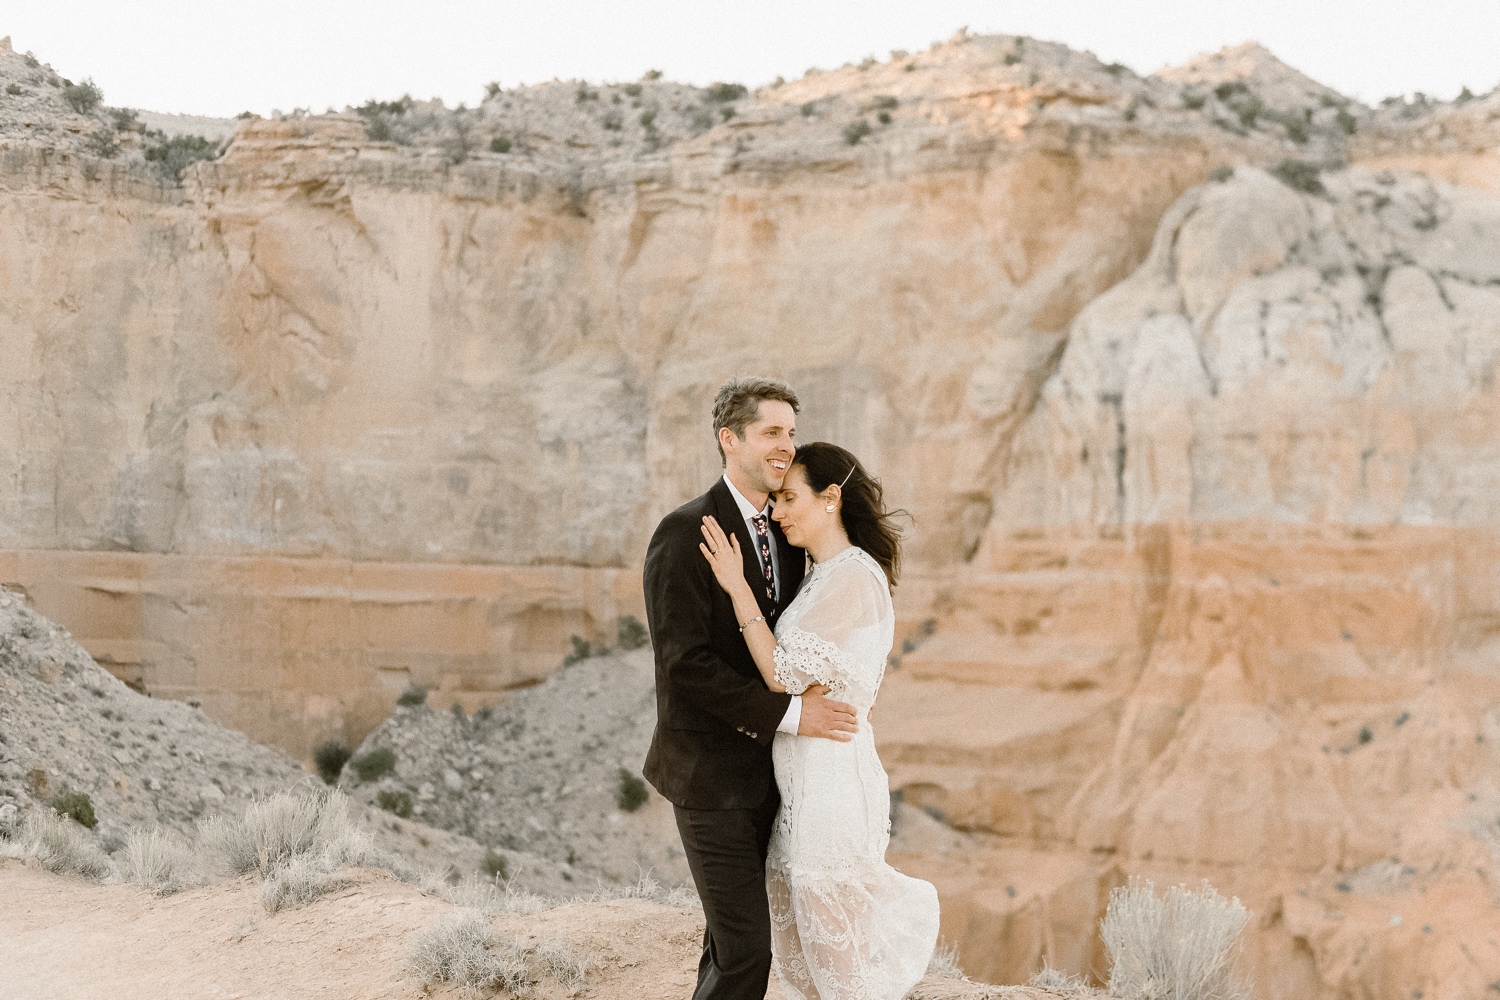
{"points": [[762, 457]]}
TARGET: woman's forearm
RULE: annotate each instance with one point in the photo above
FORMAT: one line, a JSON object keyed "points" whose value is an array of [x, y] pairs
{"points": [[758, 637]]}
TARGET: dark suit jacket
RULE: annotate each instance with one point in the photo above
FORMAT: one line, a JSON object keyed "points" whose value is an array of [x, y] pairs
{"points": [[715, 717]]}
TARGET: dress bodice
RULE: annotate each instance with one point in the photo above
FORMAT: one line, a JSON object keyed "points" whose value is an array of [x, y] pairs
{"points": [[838, 630]]}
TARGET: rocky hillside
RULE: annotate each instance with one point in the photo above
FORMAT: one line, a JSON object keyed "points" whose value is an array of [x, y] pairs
{"points": [[74, 739]]}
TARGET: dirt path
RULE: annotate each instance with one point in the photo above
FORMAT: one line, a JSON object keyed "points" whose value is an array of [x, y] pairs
{"points": [[64, 939]]}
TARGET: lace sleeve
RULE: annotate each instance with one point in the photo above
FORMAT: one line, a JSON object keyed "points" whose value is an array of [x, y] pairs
{"points": [[803, 659], [842, 638]]}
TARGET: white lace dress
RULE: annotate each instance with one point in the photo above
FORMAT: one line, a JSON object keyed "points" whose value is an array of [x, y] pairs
{"points": [[844, 924]]}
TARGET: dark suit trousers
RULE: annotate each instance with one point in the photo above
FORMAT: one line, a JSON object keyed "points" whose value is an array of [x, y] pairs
{"points": [[726, 851]]}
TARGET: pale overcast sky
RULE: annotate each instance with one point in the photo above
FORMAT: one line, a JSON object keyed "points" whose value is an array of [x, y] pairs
{"points": [[218, 58]]}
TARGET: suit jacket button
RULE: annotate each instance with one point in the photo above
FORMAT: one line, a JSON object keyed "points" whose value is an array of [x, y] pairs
{"points": [[739, 729], [751, 735]]}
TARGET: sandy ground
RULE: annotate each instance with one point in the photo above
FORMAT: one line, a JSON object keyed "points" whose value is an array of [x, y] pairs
{"points": [[64, 939]]}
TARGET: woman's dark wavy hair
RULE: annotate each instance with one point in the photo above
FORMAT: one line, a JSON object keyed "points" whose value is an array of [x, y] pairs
{"points": [[866, 520]]}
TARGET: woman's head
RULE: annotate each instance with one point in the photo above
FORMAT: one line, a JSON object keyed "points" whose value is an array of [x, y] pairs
{"points": [[826, 476]]}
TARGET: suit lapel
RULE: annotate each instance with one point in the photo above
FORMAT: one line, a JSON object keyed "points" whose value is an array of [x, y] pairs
{"points": [[728, 513]]}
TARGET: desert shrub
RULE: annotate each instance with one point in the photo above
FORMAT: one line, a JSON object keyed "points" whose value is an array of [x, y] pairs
{"points": [[492, 90], [499, 144], [101, 143], [648, 118], [396, 108], [885, 102], [630, 633], [83, 97], [374, 764], [1299, 175], [1116, 69], [1221, 174], [157, 861], [1225, 91], [1179, 946], [582, 650], [302, 878], [416, 694], [633, 89], [726, 113], [722, 92], [702, 121], [1347, 122], [857, 131], [463, 952], [585, 94], [651, 74], [883, 117], [562, 965], [495, 865], [14, 89], [488, 895], [808, 109], [647, 888], [76, 805], [1193, 102], [277, 829], [396, 802], [59, 845], [632, 794], [171, 155], [613, 121], [31, 61], [123, 118], [330, 759]]}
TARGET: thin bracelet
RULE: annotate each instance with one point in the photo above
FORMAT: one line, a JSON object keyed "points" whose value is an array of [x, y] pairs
{"points": [[757, 618]]}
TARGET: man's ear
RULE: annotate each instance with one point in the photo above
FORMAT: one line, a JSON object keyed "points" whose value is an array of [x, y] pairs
{"points": [[726, 435]]}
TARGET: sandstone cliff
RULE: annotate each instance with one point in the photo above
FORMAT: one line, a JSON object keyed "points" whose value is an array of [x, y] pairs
{"points": [[1187, 380]]}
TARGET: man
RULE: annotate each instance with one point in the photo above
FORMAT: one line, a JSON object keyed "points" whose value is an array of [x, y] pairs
{"points": [[715, 717]]}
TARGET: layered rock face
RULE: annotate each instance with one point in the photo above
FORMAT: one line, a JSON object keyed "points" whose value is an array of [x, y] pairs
{"points": [[1202, 575], [1235, 615]]}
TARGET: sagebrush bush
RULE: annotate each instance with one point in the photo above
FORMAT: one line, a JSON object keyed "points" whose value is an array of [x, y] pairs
{"points": [[857, 131], [722, 92], [83, 97], [276, 829], [1299, 175], [157, 861], [632, 793], [374, 764], [301, 879], [631, 634], [415, 694], [76, 805], [495, 865], [331, 758], [171, 155], [463, 952], [561, 964], [394, 801], [13, 89], [1179, 946], [499, 144], [58, 845]]}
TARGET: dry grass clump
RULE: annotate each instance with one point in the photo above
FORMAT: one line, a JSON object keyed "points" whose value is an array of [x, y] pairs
{"points": [[59, 845], [158, 861], [488, 895], [1179, 946], [1056, 981], [944, 962], [298, 844], [279, 828], [463, 952], [647, 888]]}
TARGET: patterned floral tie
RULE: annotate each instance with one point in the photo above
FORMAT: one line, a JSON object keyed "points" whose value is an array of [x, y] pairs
{"points": [[763, 529]]}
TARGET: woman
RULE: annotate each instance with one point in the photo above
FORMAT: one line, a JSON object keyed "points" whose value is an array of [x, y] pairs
{"points": [[845, 925]]}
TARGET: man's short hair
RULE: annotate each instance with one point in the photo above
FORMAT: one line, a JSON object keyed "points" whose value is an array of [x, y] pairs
{"points": [[738, 404]]}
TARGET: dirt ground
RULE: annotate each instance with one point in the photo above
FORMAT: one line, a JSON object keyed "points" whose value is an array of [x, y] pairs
{"points": [[65, 939]]}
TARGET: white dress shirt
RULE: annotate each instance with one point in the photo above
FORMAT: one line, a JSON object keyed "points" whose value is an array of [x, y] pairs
{"points": [[793, 717]]}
